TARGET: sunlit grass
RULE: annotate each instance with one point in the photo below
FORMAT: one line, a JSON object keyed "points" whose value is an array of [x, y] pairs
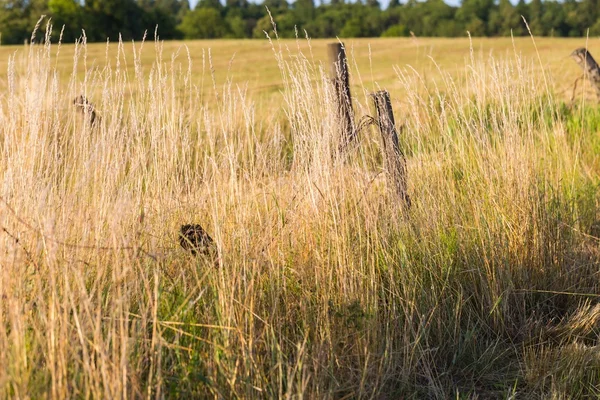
{"points": [[251, 62], [321, 287]]}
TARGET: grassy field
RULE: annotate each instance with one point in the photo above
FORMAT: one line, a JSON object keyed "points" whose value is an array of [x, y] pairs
{"points": [[321, 285], [252, 63]]}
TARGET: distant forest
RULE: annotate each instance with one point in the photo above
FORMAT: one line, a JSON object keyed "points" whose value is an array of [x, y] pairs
{"points": [[209, 19]]}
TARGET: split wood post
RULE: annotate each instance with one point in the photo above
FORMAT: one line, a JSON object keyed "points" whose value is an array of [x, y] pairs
{"points": [[341, 81], [590, 67], [394, 161]]}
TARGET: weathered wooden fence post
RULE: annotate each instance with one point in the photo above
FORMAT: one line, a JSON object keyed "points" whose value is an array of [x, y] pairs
{"points": [[394, 161], [590, 67], [341, 80]]}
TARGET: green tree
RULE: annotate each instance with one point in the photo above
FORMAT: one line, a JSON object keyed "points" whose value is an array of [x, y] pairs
{"points": [[113, 19], [67, 13], [276, 6], [595, 29], [203, 23], [176, 8], [243, 4], [521, 9], [475, 15], [285, 23], [263, 25], [353, 28], [363, 22], [437, 16], [553, 19], [164, 15], [536, 11], [13, 24], [216, 4], [506, 21], [373, 3], [304, 10], [573, 19], [396, 31], [242, 18], [184, 8], [589, 12], [329, 21], [237, 27], [18, 19]]}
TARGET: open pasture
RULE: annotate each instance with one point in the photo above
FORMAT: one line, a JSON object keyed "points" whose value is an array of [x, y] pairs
{"points": [[252, 63], [319, 285]]}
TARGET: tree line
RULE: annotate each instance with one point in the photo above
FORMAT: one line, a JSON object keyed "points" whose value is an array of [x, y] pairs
{"points": [[210, 19]]}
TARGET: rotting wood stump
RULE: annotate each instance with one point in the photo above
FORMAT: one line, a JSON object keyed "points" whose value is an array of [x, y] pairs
{"points": [[87, 109], [590, 67], [341, 81], [394, 160], [193, 238]]}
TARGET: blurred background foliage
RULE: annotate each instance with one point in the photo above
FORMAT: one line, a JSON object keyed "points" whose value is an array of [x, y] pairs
{"points": [[208, 19]]}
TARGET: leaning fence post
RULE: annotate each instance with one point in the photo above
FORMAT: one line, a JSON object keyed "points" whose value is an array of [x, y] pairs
{"points": [[394, 161], [590, 67], [341, 81]]}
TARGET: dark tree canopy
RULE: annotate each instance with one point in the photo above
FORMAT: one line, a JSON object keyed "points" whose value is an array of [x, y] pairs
{"points": [[129, 19]]}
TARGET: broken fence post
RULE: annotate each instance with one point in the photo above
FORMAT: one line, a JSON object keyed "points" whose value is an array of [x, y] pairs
{"points": [[394, 161], [341, 81], [590, 67]]}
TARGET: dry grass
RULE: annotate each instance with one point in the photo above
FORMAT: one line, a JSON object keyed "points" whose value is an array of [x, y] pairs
{"points": [[487, 288], [250, 62]]}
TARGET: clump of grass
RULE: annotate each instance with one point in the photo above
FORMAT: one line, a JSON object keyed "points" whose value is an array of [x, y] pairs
{"points": [[325, 289]]}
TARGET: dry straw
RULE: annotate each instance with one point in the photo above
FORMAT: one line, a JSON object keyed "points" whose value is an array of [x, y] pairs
{"points": [[324, 290]]}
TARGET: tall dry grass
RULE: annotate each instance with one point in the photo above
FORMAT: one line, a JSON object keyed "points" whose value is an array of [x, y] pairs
{"points": [[487, 288]]}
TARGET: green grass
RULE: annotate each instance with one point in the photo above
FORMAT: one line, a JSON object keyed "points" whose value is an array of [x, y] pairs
{"points": [[323, 286]]}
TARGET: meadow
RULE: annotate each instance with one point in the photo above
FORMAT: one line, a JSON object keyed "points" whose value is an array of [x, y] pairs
{"points": [[323, 286]]}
